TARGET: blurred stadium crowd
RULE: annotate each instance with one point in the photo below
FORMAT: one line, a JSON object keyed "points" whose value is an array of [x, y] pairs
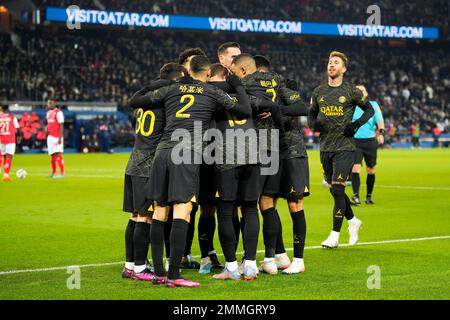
{"points": [[409, 79]]}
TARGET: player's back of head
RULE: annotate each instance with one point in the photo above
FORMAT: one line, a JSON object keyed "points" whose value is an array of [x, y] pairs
{"points": [[4, 108], [184, 56], [218, 72], [200, 64], [171, 71], [244, 59], [262, 63]]}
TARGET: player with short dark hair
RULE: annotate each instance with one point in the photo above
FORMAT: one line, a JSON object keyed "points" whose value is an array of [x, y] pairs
{"points": [[367, 140], [235, 187], [262, 63], [55, 137], [268, 86], [9, 128], [149, 127], [333, 106], [295, 178], [207, 200], [175, 180], [188, 261], [185, 57]]}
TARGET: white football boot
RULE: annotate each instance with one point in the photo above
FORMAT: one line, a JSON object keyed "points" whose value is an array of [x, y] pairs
{"points": [[354, 226], [332, 242]]}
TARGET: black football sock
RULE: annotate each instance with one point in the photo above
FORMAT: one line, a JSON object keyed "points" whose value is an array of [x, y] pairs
{"points": [[190, 232], [157, 245], [177, 245], [242, 223], [370, 184], [210, 231], [227, 235], [299, 232], [206, 228], [280, 243], [339, 207], [356, 183], [271, 227], [167, 229], [236, 228], [349, 215], [141, 238], [251, 229], [129, 244]]}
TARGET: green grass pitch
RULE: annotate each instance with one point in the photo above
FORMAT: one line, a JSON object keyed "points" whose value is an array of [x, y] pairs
{"points": [[48, 223]]}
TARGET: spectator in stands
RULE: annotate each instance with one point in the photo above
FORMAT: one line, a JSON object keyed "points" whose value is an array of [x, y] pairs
{"points": [[436, 136]]}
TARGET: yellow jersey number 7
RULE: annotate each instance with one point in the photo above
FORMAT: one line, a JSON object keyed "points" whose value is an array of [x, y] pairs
{"points": [[274, 94], [141, 117]]}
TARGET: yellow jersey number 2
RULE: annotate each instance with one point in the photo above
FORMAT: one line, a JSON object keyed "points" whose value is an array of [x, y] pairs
{"points": [[190, 99]]}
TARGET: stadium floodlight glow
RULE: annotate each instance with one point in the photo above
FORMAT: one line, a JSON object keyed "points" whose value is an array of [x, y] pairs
{"points": [[152, 20]]}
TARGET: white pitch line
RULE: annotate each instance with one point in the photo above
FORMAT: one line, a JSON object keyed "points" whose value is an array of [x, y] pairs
{"points": [[259, 251], [414, 188], [120, 176]]}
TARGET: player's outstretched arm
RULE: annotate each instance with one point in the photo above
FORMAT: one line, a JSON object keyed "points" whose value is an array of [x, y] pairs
{"points": [[148, 100], [243, 106], [363, 102], [223, 85], [262, 106], [313, 113], [297, 109]]}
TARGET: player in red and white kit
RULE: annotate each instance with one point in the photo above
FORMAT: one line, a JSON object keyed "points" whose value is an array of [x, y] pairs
{"points": [[8, 129], [55, 137]]}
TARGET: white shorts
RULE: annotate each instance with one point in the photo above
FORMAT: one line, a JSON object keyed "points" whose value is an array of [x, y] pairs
{"points": [[9, 148], [53, 146]]}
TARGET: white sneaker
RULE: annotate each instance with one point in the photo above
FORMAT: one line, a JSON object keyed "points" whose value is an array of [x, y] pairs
{"points": [[354, 226], [205, 266], [166, 266], [297, 266], [332, 241], [241, 267], [282, 261], [269, 267]]}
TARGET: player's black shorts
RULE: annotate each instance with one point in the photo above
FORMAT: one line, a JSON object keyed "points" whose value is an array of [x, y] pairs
{"points": [[173, 183], [136, 195], [337, 166], [271, 185], [238, 184], [207, 186], [295, 179], [366, 149]]}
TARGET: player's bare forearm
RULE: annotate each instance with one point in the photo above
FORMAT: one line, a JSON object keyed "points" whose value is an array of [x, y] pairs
{"points": [[381, 126]]}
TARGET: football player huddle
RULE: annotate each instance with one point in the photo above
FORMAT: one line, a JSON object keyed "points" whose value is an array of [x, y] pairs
{"points": [[224, 139]]}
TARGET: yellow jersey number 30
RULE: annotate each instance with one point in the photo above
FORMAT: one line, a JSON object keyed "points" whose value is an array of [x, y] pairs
{"points": [[141, 117]]}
